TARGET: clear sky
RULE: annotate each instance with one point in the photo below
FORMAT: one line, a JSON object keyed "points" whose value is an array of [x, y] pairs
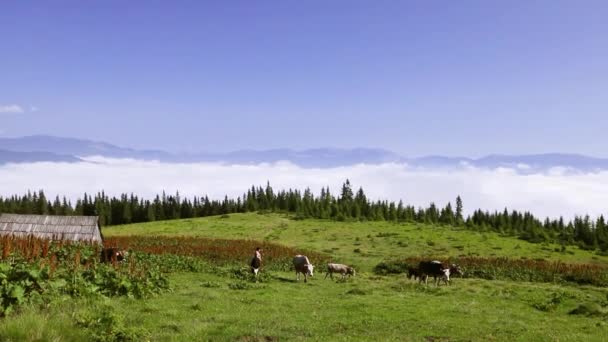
{"points": [[416, 77]]}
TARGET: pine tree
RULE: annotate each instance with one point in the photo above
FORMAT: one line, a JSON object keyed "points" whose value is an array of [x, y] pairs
{"points": [[459, 217]]}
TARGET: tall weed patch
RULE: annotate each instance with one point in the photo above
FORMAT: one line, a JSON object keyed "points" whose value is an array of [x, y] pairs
{"points": [[32, 271], [220, 252], [511, 269]]}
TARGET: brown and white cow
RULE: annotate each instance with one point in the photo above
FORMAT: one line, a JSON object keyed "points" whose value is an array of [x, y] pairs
{"points": [[112, 254], [302, 265], [339, 268]]}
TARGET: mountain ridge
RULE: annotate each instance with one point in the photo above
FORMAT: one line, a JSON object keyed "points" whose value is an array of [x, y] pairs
{"points": [[51, 148]]}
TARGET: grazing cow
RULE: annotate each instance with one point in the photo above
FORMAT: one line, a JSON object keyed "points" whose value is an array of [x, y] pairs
{"points": [[451, 270], [413, 272], [112, 254], [435, 269], [339, 268], [455, 269], [256, 263], [302, 265]]}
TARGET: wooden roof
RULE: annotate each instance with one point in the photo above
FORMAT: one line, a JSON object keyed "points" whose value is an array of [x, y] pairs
{"points": [[75, 228]]}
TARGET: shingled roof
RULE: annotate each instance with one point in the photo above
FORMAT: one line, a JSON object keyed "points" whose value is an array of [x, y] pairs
{"points": [[74, 228]]}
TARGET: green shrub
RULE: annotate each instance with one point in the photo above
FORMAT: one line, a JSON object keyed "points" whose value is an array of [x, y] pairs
{"points": [[390, 267], [357, 292], [588, 309], [105, 324]]}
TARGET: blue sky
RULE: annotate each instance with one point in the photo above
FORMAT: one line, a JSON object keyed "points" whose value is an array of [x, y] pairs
{"points": [[426, 77]]}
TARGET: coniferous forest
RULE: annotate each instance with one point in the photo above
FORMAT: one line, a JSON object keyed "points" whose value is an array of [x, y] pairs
{"points": [[347, 206]]}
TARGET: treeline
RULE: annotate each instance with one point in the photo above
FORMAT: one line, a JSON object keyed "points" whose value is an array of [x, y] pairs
{"points": [[348, 205]]}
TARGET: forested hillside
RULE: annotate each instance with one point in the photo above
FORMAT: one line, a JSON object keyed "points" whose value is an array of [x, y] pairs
{"points": [[346, 206]]}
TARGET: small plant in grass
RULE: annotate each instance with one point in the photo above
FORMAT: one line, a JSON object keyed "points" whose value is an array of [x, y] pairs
{"points": [[210, 284], [551, 304], [357, 292], [391, 267], [402, 244], [588, 309], [240, 285], [386, 234], [245, 274], [105, 324]]}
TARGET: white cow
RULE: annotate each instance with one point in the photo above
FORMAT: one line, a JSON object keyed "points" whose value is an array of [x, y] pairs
{"points": [[339, 268], [302, 265]]}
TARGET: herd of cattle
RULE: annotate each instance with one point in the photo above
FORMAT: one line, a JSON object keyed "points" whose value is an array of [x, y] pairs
{"points": [[436, 269], [301, 263]]}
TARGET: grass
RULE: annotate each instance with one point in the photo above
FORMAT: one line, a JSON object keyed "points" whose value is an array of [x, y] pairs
{"points": [[215, 303], [363, 244], [367, 308]]}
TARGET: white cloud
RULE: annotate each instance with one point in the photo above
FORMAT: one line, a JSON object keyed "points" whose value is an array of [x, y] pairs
{"points": [[551, 193], [11, 109]]}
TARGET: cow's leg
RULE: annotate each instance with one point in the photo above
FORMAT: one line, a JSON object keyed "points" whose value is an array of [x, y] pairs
{"points": [[326, 274], [305, 278], [297, 276]]}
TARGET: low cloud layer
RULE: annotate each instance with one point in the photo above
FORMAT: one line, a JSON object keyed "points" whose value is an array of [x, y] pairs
{"points": [[11, 109], [552, 193]]}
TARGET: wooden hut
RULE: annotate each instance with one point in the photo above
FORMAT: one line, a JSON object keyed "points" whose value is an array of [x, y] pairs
{"points": [[73, 228]]}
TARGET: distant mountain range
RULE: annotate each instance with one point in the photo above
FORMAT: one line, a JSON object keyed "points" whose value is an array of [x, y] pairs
{"points": [[41, 148]]}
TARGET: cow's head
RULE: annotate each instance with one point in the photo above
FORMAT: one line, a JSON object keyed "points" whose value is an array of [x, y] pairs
{"points": [[455, 269], [350, 271], [309, 269]]}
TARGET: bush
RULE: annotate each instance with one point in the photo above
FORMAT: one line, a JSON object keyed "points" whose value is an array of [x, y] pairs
{"points": [[588, 309], [19, 283], [105, 324], [357, 292], [245, 274], [391, 267], [551, 304]]}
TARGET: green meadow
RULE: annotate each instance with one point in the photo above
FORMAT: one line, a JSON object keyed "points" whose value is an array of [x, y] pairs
{"points": [[215, 303], [363, 244]]}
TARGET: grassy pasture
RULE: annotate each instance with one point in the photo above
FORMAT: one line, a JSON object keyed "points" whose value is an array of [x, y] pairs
{"points": [[209, 306], [218, 301], [364, 244]]}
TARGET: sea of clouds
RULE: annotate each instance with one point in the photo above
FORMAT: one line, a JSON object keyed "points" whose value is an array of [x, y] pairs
{"points": [[554, 192]]}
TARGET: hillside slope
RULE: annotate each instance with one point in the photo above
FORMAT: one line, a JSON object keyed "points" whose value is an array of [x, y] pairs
{"points": [[362, 243]]}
